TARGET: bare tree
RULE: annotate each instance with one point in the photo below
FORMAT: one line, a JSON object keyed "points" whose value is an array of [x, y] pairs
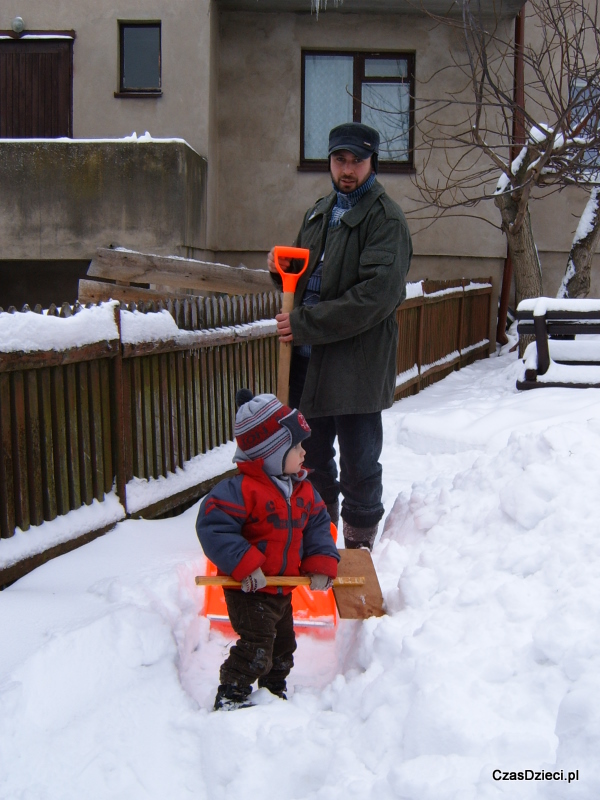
{"points": [[554, 143]]}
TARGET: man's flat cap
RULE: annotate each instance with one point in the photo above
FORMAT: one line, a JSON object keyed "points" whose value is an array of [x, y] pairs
{"points": [[355, 137]]}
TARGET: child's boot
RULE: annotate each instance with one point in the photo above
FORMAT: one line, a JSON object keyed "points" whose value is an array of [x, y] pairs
{"points": [[231, 696], [277, 688]]}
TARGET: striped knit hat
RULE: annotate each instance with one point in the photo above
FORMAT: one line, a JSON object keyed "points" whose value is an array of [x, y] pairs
{"points": [[264, 428]]}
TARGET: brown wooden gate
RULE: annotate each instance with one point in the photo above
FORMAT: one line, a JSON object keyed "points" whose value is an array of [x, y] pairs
{"points": [[36, 86]]}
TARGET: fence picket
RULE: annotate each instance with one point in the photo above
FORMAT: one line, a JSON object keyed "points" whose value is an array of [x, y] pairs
{"points": [[59, 430], [19, 420], [7, 487], [47, 445], [105, 393], [148, 438], [84, 432], [73, 469], [34, 449], [96, 450]]}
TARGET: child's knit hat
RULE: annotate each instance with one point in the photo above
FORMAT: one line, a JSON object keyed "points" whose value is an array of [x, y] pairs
{"points": [[265, 428]]}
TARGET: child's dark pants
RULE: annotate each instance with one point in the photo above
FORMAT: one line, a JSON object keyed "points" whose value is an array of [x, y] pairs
{"points": [[264, 651]]}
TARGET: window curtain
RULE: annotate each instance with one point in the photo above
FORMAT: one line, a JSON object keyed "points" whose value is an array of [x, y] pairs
{"points": [[328, 100]]}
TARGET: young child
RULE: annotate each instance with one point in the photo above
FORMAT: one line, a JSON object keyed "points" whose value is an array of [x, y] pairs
{"points": [[267, 520]]}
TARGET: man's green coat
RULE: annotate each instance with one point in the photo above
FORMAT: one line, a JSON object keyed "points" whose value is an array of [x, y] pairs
{"points": [[352, 330]]}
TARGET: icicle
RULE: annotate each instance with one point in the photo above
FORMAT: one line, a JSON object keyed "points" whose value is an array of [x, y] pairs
{"points": [[316, 5]]}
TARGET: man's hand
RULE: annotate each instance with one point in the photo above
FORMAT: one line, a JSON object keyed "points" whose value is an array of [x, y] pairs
{"points": [[284, 263], [284, 329]]}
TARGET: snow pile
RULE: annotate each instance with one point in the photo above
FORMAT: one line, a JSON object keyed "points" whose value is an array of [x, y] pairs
{"points": [[488, 661], [62, 529]]}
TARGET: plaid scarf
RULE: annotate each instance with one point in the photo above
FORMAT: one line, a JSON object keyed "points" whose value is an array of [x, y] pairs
{"points": [[346, 201]]}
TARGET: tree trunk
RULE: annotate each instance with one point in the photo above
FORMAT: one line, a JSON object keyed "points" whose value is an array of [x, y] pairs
{"points": [[577, 279], [523, 252]]}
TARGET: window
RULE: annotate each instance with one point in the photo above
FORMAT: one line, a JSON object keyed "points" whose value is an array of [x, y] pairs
{"points": [[140, 60], [586, 103], [374, 88]]}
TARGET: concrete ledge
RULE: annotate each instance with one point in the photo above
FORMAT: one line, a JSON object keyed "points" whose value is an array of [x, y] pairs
{"points": [[62, 199]]}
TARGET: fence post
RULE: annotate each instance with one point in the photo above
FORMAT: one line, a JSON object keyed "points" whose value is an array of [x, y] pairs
{"points": [[420, 340], [461, 320], [120, 418]]}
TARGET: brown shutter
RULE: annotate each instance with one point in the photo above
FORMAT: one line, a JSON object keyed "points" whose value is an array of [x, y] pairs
{"points": [[36, 88]]}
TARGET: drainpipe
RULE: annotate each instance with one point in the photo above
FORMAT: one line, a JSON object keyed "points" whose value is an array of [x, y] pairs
{"points": [[518, 140]]}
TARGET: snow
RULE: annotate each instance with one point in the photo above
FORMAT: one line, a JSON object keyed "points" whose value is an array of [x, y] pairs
{"points": [[590, 213], [62, 529], [142, 493], [145, 138], [488, 658], [541, 305], [29, 332]]}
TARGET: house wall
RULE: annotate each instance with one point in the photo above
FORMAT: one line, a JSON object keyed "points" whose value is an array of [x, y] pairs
{"points": [[262, 195], [182, 111]]}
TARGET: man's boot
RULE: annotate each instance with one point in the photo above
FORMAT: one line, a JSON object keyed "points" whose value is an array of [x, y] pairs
{"points": [[355, 538]]}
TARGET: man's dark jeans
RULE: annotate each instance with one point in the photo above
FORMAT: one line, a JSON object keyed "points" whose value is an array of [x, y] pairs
{"points": [[267, 640], [360, 439]]}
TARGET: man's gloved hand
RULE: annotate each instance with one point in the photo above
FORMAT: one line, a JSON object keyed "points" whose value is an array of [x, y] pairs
{"points": [[255, 581], [320, 583]]}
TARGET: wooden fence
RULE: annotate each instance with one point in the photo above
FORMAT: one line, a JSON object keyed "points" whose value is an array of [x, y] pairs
{"points": [[81, 423]]}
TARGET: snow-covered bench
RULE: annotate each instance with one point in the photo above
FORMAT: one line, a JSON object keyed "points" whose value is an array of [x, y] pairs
{"points": [[566, 351]]}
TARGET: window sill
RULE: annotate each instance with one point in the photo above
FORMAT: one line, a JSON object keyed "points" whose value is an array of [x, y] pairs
{"points": [[157, 93], [323, 166]]}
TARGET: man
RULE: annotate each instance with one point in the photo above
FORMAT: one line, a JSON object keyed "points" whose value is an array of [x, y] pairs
{"points": [[344, 329]]}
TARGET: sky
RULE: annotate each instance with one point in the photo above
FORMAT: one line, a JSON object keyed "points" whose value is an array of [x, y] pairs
{"points": [[485, 666]]}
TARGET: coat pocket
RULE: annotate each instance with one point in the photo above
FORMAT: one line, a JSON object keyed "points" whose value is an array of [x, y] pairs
{"points": [[376, 256]]}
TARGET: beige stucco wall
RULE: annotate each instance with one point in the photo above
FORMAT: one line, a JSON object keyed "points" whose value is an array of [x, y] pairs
{"points": [[259, 125], [182, 111], [262, 196]]}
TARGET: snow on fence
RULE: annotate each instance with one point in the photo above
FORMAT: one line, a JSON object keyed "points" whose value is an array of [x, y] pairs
{"points": [[116, 410]]}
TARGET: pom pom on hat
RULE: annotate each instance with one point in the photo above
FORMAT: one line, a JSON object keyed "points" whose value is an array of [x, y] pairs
{"points": [[243, 396]]}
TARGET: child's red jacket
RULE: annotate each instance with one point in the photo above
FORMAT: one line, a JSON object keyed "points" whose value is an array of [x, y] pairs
{"points": [[247, 522]]}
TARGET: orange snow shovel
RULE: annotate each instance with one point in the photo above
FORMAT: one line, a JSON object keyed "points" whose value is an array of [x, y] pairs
{"points": [[290, 280], [356, 591], [356, 597]]}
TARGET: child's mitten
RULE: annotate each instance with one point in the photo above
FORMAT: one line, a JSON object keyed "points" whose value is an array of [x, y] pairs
{"points": [[320, 583], [255, 581]]}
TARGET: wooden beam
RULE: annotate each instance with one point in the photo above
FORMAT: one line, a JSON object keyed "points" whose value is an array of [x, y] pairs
{"points": [[101, 291], [128, 267]]}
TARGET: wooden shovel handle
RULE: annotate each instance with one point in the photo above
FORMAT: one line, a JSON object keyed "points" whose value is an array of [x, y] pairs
{"points": [[285, 356], [273, 580]]}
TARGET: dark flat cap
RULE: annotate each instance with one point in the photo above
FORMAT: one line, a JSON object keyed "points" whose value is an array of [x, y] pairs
{"points": [[355, 137]]}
